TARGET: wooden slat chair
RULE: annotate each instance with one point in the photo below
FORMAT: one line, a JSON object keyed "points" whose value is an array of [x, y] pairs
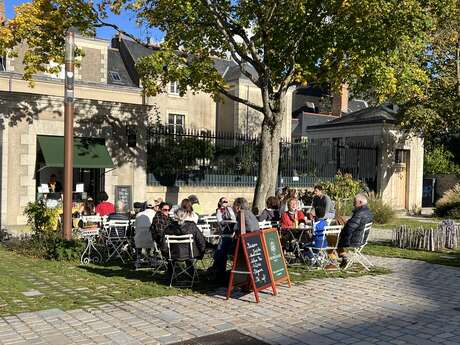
{"points": [[266, 224], [356, 255]]}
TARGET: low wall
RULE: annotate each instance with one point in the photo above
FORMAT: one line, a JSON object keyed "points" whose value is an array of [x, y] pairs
{"points": [[208, 196]]}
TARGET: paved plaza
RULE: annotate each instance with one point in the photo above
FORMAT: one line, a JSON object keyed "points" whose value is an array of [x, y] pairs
{"points": [[418, 303]]}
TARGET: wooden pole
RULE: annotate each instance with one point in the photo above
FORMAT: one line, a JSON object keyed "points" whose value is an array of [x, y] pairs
{"points": [[68, 133]]}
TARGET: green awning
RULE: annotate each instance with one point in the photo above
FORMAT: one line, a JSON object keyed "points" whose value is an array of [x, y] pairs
{"points": [[87, 152]]}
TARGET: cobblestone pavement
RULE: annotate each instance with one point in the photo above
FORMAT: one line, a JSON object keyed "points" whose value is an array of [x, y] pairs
{"points": [[417, 304]]}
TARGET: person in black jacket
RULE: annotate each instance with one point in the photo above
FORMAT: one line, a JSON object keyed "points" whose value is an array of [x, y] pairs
{"points": [[272, 211], [159, 223], [352, 233], [183, 226]]}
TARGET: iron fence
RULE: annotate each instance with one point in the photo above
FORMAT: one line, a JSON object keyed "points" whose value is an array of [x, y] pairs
{"points": [[193, 157]]}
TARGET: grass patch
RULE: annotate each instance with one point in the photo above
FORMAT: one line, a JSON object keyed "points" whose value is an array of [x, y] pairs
{"points": [[413, 223], [300, 274], [446, 257], [69, 285]]}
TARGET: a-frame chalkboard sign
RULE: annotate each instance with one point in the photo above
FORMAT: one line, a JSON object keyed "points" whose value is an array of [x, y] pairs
{"points": [[275, 255], [251, 268]]}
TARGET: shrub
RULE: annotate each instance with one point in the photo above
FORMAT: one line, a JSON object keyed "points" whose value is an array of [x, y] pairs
{"points": [[382, 212], [449, 204], [440, 160], [41, 218], [48, 246], [342, 187]]}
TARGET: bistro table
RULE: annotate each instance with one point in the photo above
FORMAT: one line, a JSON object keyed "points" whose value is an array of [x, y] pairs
{"points": [[292, 240], [90, 254]]}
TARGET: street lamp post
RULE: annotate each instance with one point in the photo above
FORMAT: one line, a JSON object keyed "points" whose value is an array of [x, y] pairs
{"points": [[68, 133]]}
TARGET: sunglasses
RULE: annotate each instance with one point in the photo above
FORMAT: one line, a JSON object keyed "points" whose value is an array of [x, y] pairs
{"points": [[225, 202], [165, 209]]}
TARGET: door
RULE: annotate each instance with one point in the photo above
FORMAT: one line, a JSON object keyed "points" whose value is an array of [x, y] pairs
{"points": [[400, 179]]}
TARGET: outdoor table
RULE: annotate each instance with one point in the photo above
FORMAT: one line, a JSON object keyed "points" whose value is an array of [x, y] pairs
{"points": [[296, 236], [90, 254]]}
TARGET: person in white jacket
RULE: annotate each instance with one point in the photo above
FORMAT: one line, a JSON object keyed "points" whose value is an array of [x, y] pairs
{"points": [[143, 236]]}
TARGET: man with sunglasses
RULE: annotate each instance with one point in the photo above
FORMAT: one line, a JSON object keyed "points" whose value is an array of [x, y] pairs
{"points": [[160, 222]]}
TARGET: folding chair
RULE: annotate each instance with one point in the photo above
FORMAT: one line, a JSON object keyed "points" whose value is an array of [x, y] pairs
{"points": [[116, 238], [356, 255], [209, 219], [320, 255], [179, 264], [266, 224], [158, 261]]}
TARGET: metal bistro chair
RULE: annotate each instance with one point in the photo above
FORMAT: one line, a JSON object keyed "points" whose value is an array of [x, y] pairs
{"points": [[320, 255], [356, 255], [178, 264], [116, 232]]}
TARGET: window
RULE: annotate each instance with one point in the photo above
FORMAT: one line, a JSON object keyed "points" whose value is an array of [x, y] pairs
{"points": [[174, 88], [115, 76], [176, 123]]}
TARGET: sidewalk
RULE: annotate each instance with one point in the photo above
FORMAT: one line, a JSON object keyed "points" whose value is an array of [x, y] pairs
{"points": [[417, 304]]}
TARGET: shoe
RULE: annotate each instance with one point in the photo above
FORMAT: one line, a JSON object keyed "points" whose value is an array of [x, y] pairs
{"points": [[330, 267], [344, 263]]}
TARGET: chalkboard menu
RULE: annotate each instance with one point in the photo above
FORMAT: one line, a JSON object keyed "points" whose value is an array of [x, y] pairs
{"points": [[251, 269], [257, 260], [275, 255], [123, 198]]}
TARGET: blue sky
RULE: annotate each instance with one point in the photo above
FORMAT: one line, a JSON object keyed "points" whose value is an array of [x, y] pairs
{"points": [[126, 21]]}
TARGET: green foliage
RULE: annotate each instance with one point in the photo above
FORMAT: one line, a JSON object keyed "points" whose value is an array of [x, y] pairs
{"points": [[439, 160], [41, 218], [383, 213], [449, 204], [342, 187], [48, 246], [170, 156]]}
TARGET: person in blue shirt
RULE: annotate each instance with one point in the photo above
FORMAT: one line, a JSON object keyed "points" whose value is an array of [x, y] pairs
{"points": [[318, 239]]}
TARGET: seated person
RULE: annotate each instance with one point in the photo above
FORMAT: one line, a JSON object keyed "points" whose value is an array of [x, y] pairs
{"points": [[352, 233], [271, 212], [186, 205], [104, 208], [183, 226], [143, 237], [227, 244], [197, 208], [292, 217], [226, 218], [159, 223], [318, 239], [323, 200]]}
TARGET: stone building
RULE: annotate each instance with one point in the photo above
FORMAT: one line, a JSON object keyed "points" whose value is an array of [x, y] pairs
{"points": [[111, 120]]}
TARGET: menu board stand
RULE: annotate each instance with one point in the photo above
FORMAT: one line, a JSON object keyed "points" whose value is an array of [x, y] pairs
{"points": [[275, 255], [251, 269]]}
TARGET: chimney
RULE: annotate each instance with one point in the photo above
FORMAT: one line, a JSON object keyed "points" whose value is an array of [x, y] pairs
{"points": [[340, 101], [2, 12]]}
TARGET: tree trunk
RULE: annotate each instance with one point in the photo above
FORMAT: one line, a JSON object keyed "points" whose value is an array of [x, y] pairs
{"points": [[269, 155], [457, 58]]}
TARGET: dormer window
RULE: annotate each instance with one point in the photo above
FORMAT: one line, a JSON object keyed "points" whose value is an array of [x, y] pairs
{"points": [[115, 76]]}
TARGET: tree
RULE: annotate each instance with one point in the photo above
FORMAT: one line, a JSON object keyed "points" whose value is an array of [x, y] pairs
{"points": [[276, 44], [436, 115]]}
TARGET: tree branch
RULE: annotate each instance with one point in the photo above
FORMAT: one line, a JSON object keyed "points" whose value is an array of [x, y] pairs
{"points": [[238, 99], [123, 32]]}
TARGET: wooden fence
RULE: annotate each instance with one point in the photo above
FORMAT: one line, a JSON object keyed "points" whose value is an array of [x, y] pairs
{"points": [[446, 236]]}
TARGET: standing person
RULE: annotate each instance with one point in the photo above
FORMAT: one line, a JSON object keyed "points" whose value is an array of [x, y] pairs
{"points": [[54, 185], [104, 208], [271, 211], [352, 233], [159, 223], [197, 208], [323, 200], [227, 244], [187, 206], [143, 237], [292, 217]]}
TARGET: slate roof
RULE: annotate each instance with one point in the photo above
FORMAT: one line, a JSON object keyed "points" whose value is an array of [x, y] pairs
{"points": [[137, 50], [115, 63], [304, 121], [380, 114]]}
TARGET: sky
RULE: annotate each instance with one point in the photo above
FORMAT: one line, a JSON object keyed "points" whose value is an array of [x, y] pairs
{"points": [[125, 21]]}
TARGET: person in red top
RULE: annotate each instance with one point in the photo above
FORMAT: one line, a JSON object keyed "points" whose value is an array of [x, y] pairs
{"points": [[292, 217], [104, 208]]}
